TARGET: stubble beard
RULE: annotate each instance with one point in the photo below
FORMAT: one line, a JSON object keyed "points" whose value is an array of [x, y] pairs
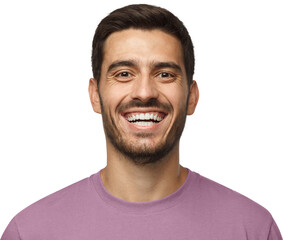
{"points": [[142, 154]]}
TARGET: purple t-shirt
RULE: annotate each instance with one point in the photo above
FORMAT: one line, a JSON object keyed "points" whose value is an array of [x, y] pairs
{"points": [[199, 210]]}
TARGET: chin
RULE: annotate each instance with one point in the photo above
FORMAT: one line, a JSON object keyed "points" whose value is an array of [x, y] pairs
{"points": [[144, 153]]}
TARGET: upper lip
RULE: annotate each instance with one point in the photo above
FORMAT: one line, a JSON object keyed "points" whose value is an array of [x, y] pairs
{"points": [[143, 110]]}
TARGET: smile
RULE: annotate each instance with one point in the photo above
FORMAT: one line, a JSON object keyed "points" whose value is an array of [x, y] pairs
{"points": [[145, 118]]}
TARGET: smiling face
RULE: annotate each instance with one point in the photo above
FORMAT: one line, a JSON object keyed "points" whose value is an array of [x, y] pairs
{"points": [[143, 93]]}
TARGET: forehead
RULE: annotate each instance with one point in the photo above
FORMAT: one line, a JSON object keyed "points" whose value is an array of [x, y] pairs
{"points": [[144, 46]]}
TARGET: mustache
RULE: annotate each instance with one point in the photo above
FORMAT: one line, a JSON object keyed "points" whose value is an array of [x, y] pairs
{"points": [[150, 103]]}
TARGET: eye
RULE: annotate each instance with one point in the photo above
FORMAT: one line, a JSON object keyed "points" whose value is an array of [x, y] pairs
{"points": [[123, 76], [166, 75]]}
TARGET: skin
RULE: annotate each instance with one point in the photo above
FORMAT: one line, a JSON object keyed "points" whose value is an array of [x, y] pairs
{"points": [[139, 77]]}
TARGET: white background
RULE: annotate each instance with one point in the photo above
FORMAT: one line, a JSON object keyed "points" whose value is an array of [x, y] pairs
{"points": [[50, 137]]}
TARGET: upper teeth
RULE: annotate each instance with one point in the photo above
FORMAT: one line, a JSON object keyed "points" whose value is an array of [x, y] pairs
{"points": [[144, 116]]}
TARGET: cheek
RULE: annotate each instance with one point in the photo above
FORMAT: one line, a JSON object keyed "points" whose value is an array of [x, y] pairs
{"points": [[177, 96], [113, 95]]}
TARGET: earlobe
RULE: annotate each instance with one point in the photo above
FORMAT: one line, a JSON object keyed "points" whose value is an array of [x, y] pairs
{"points": [[193, 98], [94, 95]]}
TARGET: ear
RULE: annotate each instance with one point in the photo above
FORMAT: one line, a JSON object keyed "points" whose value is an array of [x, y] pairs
{"points": [[94, 95], [193, 98]]}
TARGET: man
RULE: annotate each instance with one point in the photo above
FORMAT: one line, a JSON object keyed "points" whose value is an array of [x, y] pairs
{"points": [[143, 63]]}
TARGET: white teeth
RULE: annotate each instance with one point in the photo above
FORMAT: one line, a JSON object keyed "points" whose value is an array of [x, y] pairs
{"points": [[144, 116], [144, 123]]}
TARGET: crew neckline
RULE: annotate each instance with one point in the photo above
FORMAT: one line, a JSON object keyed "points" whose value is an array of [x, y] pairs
{"points": [[141, 208]]}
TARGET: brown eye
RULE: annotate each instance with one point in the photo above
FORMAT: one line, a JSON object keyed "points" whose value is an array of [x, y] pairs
{"points": [[124, 74], [166, 75]]}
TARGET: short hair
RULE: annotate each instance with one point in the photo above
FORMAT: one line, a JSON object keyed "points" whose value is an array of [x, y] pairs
{"points": [[145, 17]]}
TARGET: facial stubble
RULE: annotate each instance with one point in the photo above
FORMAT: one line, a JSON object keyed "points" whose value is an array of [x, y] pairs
{"points": [[143, 154]]}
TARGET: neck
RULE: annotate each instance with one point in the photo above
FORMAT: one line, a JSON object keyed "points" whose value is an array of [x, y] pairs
{"points": [[141, 183]]}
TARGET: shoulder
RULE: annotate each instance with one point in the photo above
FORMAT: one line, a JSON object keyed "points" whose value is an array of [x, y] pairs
{"points": [[228, 198], [59, 205], [218, 201]]}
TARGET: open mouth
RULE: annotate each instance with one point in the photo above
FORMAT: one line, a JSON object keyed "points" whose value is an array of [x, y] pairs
{"points": [[145, 119]]}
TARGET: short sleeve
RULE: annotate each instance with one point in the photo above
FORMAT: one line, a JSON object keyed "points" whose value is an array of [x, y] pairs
{"points": [[11, 232], [274, 233]]}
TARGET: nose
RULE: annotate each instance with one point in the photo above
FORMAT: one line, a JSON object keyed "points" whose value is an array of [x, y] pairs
{"points": [[144, 89]]}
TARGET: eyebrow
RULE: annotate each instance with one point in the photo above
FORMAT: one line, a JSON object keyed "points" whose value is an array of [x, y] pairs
{"points": [[133, 63], [173, 65], [128, 63]]}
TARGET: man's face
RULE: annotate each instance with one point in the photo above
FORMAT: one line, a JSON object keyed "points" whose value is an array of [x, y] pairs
{"points": [[143, 93]]}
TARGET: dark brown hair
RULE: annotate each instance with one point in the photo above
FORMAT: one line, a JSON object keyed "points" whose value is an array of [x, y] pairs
{"points": [[141, 16]]}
